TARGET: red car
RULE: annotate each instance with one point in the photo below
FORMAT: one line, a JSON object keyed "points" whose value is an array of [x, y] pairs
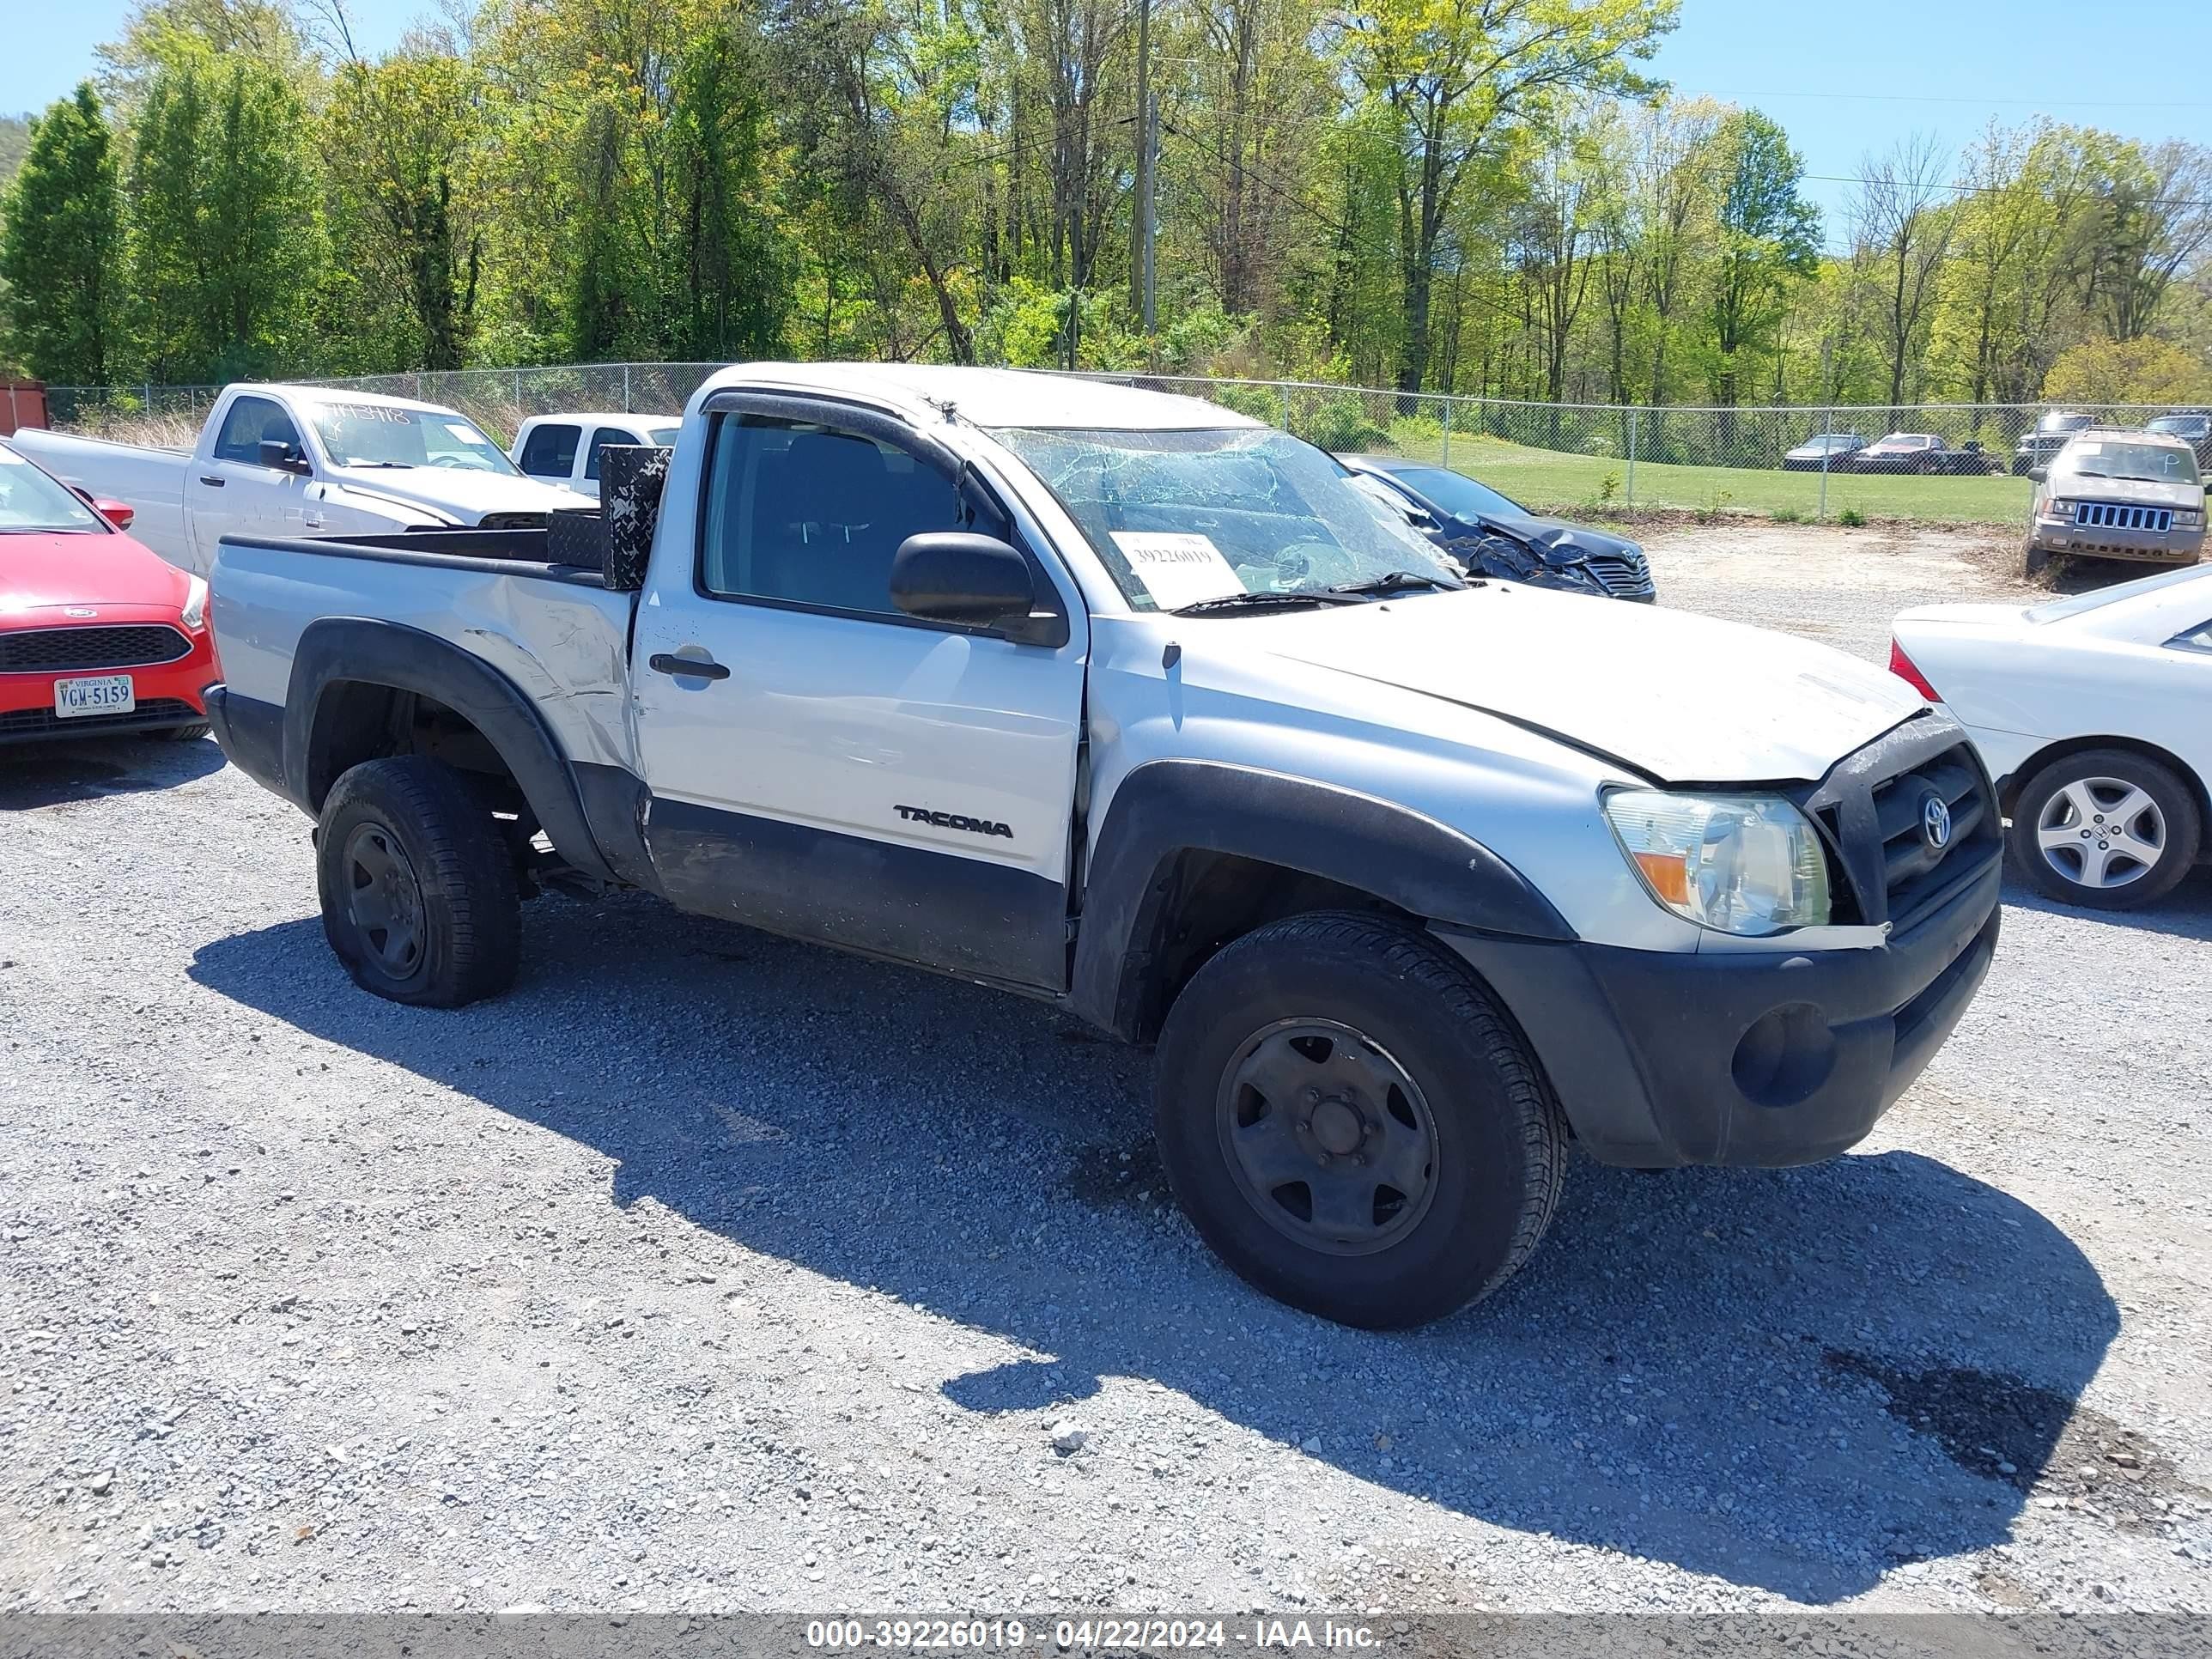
{"points": [[97, 634]]}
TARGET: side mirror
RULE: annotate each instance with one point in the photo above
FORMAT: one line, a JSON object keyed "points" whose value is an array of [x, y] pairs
{"points": [[121, 514], [283, 457], [2040, 474], [955, 576]]}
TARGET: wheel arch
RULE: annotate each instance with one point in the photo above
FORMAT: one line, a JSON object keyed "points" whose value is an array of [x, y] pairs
{"points": [[2008, 787], [349, 677], [1193, 855]]}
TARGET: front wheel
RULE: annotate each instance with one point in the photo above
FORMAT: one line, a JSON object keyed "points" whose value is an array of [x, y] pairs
{"points": [[418, 890], [1353, 1123], [2107, 828]]}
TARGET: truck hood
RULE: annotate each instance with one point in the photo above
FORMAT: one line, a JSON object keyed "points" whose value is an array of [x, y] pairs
{"points": [[466, 495], [1683, 699]]}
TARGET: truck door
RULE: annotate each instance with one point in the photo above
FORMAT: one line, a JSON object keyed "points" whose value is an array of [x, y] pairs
{"points": [[833, 768], [229, 488]]}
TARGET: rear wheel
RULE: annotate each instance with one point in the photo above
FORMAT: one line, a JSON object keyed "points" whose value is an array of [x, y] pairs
{"points": [[2107, 828], [417, 887], [1353, 1124]]}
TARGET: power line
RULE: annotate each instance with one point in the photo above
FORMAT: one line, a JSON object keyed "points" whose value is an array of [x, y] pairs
{"points": [[1952, 98], [1970, 189]]}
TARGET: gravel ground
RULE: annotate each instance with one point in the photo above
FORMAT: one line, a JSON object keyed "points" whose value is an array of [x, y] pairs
{"points": [[706, 1271]]}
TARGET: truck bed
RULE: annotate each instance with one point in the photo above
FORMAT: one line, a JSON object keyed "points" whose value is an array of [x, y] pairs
{"points": [[553, 629], [150, 480]]}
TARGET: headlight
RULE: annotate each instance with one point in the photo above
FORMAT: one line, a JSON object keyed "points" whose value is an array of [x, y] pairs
{"points": [[2189, 518], [2057, 512], [195, 611], [1742, 863]]}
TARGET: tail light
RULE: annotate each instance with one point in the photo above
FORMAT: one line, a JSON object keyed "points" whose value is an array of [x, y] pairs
{"points": [[1902, 666]]}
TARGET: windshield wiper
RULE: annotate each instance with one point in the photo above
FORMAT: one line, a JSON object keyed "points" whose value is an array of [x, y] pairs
{"points": [[1396, 581], [403, 467], [1265, 600], [2084, 472]]}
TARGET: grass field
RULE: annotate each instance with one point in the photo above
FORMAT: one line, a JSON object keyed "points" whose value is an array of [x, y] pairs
{"points": [[1566, 483]]}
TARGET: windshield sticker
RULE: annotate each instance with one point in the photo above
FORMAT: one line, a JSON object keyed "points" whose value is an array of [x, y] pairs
{"points": [[465, 432], [1177, 569], [372, 412]]}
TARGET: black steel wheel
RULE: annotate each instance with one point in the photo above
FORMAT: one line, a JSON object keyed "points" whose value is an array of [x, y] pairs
{"points": [[1353, 1123], [383, 899], [417, 885], [1328, 1136]]}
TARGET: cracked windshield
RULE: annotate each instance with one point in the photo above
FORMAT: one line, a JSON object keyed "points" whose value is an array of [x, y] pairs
{"points": [[1185, 518]]}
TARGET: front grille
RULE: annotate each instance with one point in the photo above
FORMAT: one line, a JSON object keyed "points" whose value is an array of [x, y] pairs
{"points": [[1873, 808], [44, 722], [1915, 876], [45, 650], [1618, 574], [512, 521], [2113, 515]]}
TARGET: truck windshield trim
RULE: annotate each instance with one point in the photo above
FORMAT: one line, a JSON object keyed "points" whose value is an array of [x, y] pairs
{"points": [[1179, 518]]}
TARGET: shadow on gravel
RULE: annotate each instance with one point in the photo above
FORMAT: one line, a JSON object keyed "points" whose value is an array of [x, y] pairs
{"points": [[51, 774], [1789, 1379]]}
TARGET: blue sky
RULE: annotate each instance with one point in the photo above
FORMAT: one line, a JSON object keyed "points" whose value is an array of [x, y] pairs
{"points": [[1844, 80]]}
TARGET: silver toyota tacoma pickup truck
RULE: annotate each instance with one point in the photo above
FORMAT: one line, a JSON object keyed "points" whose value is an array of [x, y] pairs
{"points": [[1130, 704]]}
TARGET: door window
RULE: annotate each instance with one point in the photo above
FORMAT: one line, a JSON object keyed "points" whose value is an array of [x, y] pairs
{"points": [[812, 516], [251, 422], [600, 440], [550, 451]]}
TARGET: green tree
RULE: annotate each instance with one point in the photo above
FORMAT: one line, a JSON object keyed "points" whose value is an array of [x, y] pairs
{"points": [[402, 142], [1452, 73], [224, 234], [59, 244], [1768, 240]]}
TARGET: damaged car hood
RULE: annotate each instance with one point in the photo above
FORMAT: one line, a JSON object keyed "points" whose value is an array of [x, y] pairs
{"points": [[1682, 698]]}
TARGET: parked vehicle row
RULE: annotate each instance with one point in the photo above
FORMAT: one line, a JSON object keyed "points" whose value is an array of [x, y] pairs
{"points": [[1920, 453], [290, 460]]}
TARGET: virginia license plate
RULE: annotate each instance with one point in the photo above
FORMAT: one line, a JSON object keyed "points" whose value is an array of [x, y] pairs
{"points": [[110, 694]]}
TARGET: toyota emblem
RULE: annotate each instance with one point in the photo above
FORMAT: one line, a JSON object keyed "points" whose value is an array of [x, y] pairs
{"points": [[1935, 823]]}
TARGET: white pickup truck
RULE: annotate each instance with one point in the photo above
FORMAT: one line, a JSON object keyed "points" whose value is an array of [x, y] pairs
{"points": [[1126, 702], [565, 448], [300, 460]]}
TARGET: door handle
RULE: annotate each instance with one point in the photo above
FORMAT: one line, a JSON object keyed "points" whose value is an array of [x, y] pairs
{"points": [[211, 481], [704, 668]]}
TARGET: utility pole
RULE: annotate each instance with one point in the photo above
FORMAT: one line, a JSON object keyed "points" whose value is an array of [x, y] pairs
{"points": [[1141, 272]]}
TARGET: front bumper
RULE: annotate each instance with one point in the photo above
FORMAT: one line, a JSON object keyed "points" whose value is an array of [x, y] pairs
{"points": [[1738, 1057], [167, 694], [2176, 546]]}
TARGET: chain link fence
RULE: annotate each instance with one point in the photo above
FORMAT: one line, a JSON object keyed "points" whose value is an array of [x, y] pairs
{"points": [[497, 399], [1956, 463], [1960, 463]]}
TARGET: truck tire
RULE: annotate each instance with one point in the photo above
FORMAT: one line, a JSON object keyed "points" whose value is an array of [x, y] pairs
{"points": [[2063, 818], [417, 888], [1353, 1123]]}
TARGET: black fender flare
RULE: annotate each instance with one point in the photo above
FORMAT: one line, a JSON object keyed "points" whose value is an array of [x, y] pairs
{"points": [[1166, 808], [336, 650]]}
